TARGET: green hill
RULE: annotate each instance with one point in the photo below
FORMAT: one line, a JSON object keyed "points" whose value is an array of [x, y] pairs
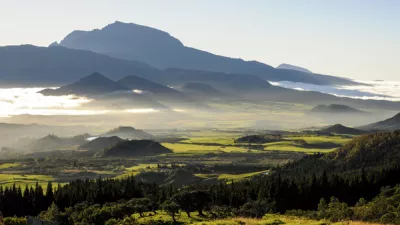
{"points": [[340, 129], [371, 151], [136, 148]]}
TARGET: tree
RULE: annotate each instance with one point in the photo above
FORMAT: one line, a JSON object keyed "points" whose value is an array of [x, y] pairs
{"points": [[52, 213], [171, 208], [184, 201], [141, 205], [201, 199]]}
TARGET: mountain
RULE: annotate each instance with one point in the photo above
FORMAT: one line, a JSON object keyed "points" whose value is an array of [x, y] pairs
{"points": [[128, 133], [285, 66], [388, 124], [340, 129], [335, 108], [94, 84], [136, 148], [157, 48], [101, 143], [28, 65]]}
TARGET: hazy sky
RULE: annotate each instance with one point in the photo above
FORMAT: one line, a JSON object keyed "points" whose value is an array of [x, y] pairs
{"points": [[359, 39]]}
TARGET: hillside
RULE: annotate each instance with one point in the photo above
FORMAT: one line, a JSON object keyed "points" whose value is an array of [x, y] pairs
{"points": [[101, 143], [335, 108], [340, 129], [370, 151], [94, 84], [128, 133], [388, 124], [136, 148], [155, 47]]}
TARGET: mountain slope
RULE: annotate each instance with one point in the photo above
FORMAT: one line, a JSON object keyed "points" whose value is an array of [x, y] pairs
{"points": [[388, 124], [158, 48]]}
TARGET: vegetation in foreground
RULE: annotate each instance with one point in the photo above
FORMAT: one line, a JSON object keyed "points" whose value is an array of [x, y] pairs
{"points": [[356, 182]]}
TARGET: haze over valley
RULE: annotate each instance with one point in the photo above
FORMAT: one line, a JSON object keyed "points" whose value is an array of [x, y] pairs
{"points": [[123, 123]]}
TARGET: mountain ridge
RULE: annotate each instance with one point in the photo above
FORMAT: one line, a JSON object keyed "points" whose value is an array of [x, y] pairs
{"points": [[158, 48]]}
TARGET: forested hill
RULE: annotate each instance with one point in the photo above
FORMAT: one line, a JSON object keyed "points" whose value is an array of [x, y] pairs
{"points": [[370, 151]]}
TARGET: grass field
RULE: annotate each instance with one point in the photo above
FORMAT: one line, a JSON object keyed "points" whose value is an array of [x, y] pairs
{"points": [[194, 148], [313, 139], [269, 219], [9, 165], [23, 180], [290, 146], [230, 177]]}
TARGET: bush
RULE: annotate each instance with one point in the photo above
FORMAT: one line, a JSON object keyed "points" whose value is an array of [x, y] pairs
{"points": [[14, 221]]}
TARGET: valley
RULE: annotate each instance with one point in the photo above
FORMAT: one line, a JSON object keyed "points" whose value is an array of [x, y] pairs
{"points": [[117, 123]]}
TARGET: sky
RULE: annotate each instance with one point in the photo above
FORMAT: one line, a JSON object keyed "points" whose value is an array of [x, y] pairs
{"points": [[358, 39]]}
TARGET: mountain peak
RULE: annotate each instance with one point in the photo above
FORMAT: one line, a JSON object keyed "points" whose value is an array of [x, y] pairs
{"points": [[292, 67]]}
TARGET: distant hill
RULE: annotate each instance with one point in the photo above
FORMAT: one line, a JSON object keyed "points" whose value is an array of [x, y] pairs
{"points": [[101, 143], [53, 142], [388, 124], [136, 148], [258, 139], [94, 84], [340, 129], [124, 101], [335, 108], [128, 133], [200, 88], [139, 83], [105, 94], [162, 93], [157, 48], [292, 67]]}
